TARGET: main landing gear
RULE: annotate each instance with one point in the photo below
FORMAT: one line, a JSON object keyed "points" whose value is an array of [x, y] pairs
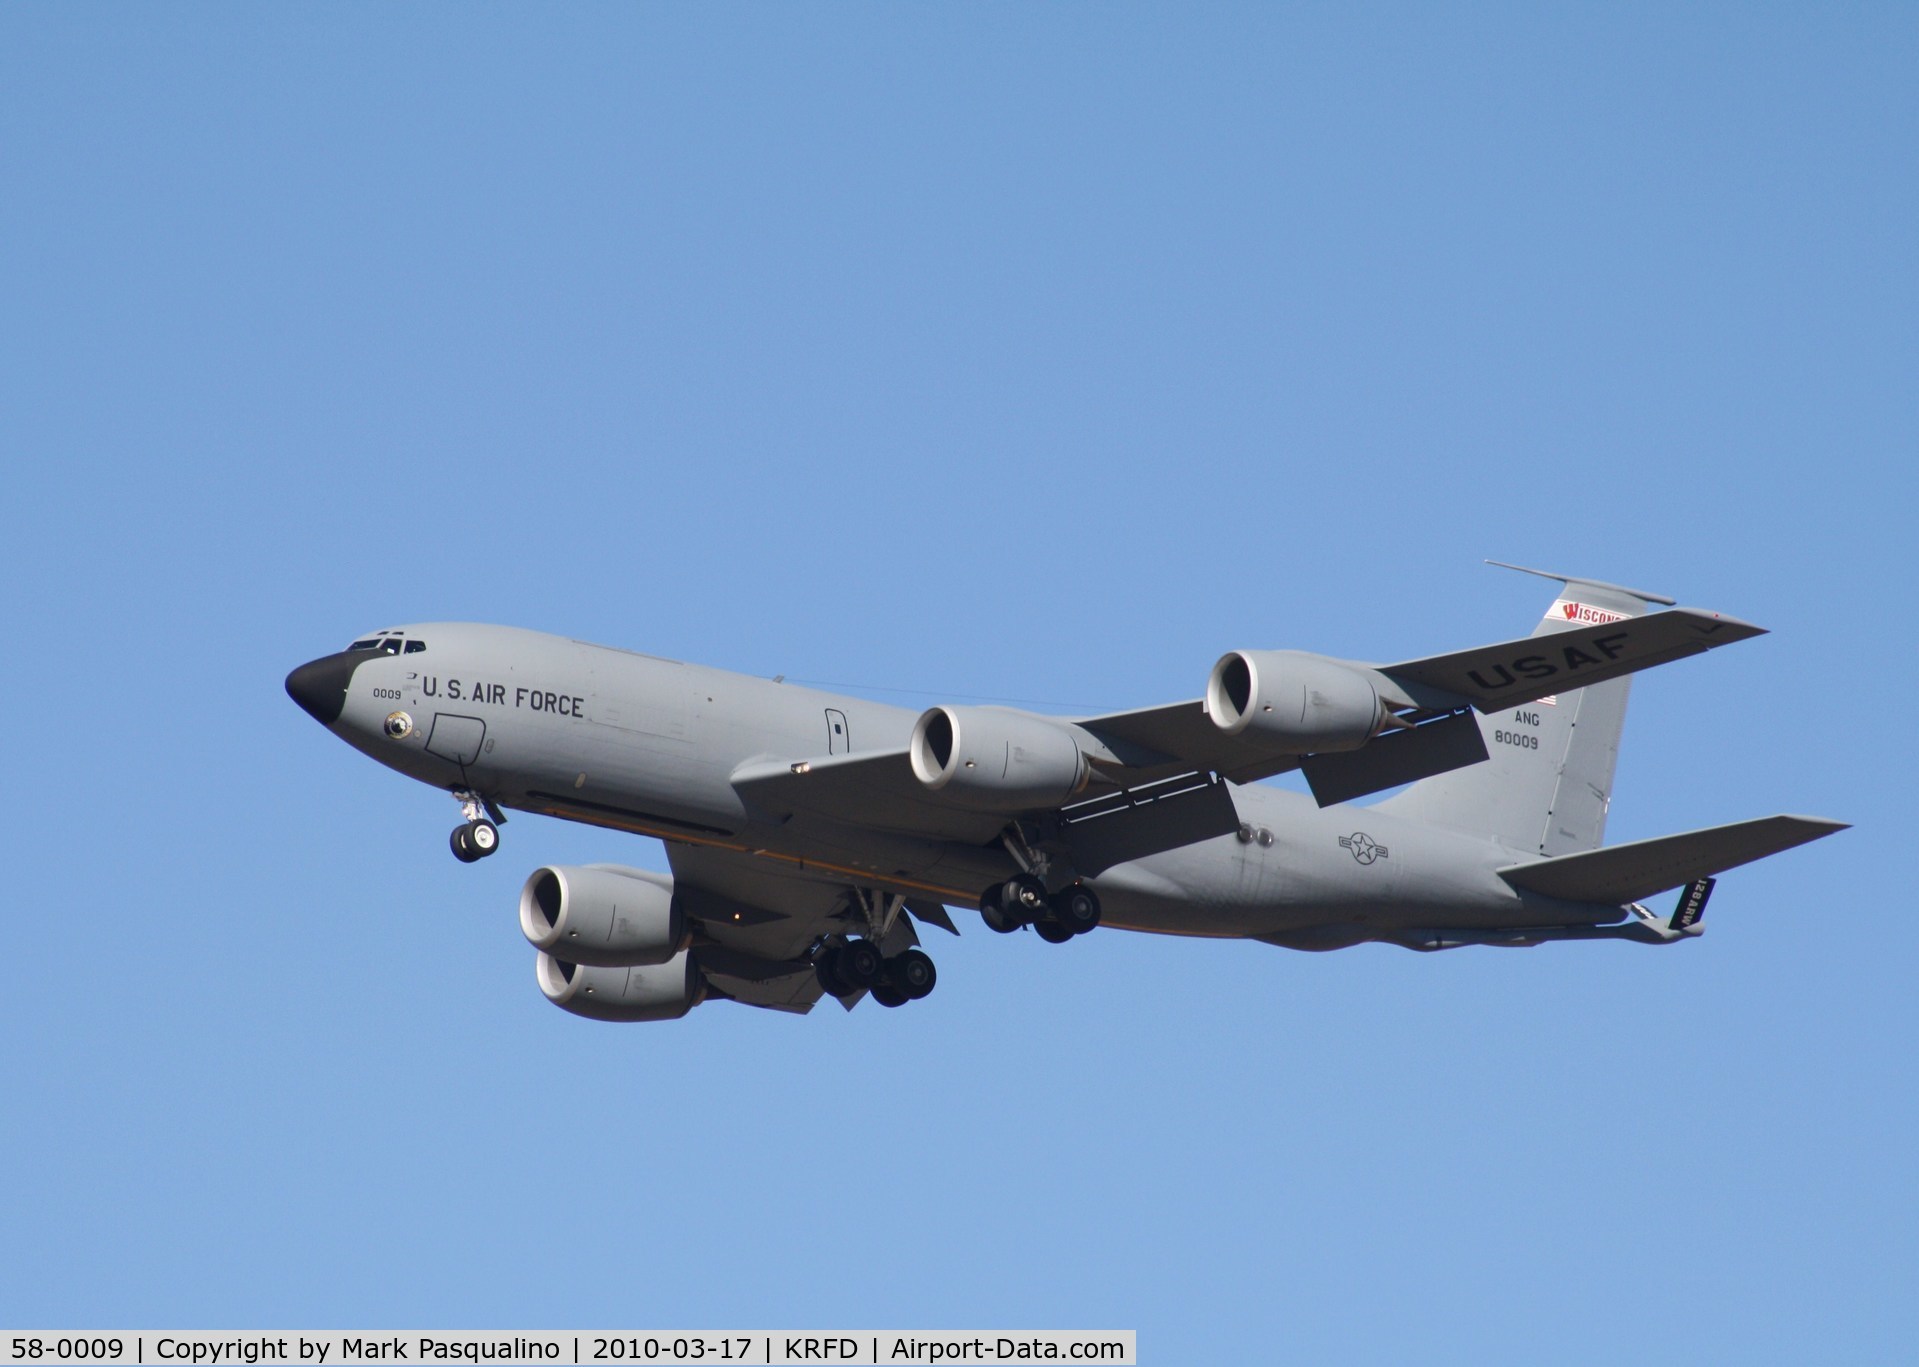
{"points": [[1023, 900], [905, 977], [478, 837]]}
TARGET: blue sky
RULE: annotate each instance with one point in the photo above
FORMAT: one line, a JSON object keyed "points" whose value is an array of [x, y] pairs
{"points": [[1029, 352]]}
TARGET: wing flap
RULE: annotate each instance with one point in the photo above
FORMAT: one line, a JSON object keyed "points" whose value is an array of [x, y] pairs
{"points": [[1618, 874], [1163, 816], [1400, 757]]}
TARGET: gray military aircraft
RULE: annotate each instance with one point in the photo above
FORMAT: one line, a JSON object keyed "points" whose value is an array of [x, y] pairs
{"points": [[808, 833]]}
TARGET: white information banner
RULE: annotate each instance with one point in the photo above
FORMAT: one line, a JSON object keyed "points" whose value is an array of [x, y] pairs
{"points": [[577, 1347]]}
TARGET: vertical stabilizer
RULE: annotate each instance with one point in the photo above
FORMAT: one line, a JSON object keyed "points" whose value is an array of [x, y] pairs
{"points": [[1548, 780]]}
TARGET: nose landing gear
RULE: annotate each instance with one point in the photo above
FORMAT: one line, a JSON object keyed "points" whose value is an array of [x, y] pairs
{"points": [[474, 840], [478, 836]]}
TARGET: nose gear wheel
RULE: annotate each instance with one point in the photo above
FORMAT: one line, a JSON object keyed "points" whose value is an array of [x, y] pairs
{"points": [[478, 836]]}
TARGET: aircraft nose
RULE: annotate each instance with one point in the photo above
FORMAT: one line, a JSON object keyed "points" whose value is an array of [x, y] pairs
{"points": [[319, 686]]}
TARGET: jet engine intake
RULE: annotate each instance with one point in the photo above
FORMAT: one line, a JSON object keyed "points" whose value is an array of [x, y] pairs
{"points": [[1304, 704], [643, 992], [612, 917], [994, 759]]}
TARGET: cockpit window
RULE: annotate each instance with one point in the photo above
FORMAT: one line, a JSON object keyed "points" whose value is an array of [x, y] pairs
{"points": [[363, 645], [415, 647], [390, 646]]}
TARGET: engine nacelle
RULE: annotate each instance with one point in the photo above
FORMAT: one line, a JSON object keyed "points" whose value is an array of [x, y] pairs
{"points": [[644, 992], [615, 918], [1304, 704], [996, 760]]}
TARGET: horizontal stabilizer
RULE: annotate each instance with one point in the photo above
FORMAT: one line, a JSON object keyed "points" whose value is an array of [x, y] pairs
{"points": [[1618, 874], [1496, 677]]}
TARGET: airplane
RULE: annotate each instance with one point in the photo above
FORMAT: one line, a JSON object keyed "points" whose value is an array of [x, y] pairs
{"points": [[810, 834]]}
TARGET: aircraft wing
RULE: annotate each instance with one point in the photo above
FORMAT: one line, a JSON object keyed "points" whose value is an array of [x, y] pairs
{"points": [[1493, 678], [1431, 732], [1427, 728]]}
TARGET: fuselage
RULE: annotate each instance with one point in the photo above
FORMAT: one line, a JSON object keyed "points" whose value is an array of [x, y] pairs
{"points": [[648, 745]]}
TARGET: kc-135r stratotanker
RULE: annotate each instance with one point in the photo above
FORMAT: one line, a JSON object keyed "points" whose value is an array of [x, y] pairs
{"points": [[808, 833]]}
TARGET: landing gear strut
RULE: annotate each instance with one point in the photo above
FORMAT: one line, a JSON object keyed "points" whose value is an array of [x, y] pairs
{"points": [[477, 837]]}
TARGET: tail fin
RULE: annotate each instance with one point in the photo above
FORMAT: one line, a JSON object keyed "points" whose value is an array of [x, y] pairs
{"points": [[1548, 782]]}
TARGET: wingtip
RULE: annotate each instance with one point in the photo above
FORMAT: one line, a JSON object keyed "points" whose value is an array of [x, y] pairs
{"points": [[1723, 625], [1825, 825]]}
